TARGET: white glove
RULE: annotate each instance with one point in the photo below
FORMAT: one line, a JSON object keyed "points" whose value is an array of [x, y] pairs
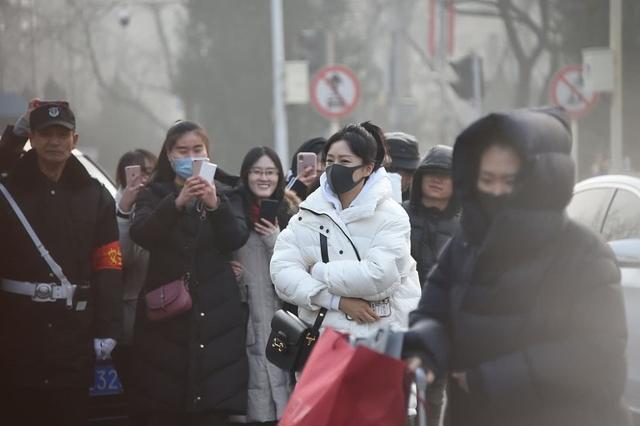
{"points": [[103, 348], [21, 128]]}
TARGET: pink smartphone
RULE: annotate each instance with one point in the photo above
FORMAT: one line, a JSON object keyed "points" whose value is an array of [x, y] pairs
{"points": [[132, 173], [307, 159]]}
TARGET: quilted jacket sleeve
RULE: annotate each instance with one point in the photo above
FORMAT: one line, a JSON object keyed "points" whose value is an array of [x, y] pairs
{"points": [[379, 272], [289, 270]]}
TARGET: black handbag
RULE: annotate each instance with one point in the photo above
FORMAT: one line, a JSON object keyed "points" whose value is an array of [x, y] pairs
{"points": [[291, 339]]}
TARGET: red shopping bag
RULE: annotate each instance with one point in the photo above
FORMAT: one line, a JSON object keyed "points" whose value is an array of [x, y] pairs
{"points": [[345, 385]]}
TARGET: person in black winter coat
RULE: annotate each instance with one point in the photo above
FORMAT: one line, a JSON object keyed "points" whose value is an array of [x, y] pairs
{"points": [[47, 355], [524, 307], [190, 369], [433, 213], [432, 209]]}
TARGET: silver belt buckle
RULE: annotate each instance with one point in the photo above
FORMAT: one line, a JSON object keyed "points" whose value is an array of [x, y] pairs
{"points": [[43, 293]]}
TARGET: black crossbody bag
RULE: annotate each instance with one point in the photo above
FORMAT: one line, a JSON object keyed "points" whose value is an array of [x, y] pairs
{"points": [[291, 339]]}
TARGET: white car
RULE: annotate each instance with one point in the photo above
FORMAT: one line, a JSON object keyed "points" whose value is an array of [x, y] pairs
{"points": [[610, 205]]}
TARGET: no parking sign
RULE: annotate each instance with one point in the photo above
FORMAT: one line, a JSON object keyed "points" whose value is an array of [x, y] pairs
{"points": [[335, 91], [568, 91]]}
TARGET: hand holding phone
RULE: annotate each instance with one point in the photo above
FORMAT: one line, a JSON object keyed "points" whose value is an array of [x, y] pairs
{"points": [[268, 223], [307, 160], [269, 210], [132, 175]]}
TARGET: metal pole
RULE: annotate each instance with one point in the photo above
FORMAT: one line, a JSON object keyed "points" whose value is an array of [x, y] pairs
{"points": [[575, 147], [334, 123], [477, 83], [277, 58], [34, 66], [441, 62], [615, 41]]}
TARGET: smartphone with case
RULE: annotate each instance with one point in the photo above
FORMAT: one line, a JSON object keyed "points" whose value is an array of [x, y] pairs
{"points": [[196, 165], [207, 171], [132, 173], [269, 210], [307, 159]]}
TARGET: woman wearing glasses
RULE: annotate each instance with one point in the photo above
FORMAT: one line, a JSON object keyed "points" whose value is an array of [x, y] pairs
{"points": [[262, 183]]}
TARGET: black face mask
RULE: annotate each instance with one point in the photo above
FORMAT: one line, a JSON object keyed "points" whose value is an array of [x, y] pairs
{"points": [[340, 178], [491, 204]]}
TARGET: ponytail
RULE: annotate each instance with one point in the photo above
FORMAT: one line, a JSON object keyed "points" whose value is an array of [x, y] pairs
{"points": [[381, 145]]}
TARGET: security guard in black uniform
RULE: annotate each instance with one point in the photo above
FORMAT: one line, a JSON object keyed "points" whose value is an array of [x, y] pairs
{"points": [[49, 331]]}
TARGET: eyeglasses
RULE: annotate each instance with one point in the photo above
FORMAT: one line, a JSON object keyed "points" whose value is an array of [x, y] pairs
{"points": [[264, 172]]}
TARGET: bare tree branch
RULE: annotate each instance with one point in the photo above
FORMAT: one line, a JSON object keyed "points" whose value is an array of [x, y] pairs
{"points": [[164, 43], [116, 94], [504, 9]]}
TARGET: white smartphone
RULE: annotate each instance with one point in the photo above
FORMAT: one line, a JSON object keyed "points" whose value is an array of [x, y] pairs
{"points": [[131, 173], [208, 171]]}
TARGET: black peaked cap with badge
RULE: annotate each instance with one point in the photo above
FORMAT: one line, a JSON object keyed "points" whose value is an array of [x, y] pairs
{"points": [[51, 114]]}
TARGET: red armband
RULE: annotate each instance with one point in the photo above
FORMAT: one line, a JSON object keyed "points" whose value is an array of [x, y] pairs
{"points": [[107, 257]]}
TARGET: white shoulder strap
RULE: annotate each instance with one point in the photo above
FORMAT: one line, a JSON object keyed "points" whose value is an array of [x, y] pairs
{"points": [[55, 268]]}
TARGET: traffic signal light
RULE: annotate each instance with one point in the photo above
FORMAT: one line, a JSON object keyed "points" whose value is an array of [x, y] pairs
{"points": [[469, 83], [312, 47]]}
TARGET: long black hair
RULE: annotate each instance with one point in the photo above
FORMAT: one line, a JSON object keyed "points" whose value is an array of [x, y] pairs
{"points": [[366, 141], [137, 157], [164, 172]]}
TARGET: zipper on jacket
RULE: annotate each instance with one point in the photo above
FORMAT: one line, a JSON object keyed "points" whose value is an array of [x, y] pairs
{"points": [[339, 227]]}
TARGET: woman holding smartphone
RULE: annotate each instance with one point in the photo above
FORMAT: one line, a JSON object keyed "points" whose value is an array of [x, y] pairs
{"points": [[268, 208], [132, 174], [190, 369], [371, 279]]}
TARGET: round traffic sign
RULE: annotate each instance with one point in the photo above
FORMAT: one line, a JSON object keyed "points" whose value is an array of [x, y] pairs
{"points": [[335, 91], [568, 91]]}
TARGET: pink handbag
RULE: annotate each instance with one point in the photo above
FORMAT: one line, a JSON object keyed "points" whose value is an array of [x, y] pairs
{"points": [[168, 300]]}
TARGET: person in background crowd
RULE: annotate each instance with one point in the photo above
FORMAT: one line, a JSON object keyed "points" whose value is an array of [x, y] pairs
{"points": [[262, 179], [433, 213], [405, 157], [432, 209], [524, 307], [134, 259], [304, 182], [190, 369], [370, 280], [51, 330]]}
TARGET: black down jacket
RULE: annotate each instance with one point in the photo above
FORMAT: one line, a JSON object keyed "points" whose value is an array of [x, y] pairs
{"points": [[431, 228], [196, 361], [528, 305]]}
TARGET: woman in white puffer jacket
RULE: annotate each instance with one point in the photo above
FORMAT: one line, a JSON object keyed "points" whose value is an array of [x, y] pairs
{"points": [[371, 279]]}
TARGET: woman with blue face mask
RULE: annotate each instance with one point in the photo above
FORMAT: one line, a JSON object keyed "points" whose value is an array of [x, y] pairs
{"points": [[191, 368], [370, 280]]}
